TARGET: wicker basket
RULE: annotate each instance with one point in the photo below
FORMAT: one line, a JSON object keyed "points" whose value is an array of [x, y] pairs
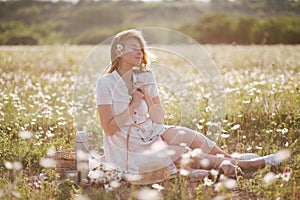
{"points": [[65, 161]]}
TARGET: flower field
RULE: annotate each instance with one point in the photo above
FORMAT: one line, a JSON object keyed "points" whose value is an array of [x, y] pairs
{"points": [[262, 116]]}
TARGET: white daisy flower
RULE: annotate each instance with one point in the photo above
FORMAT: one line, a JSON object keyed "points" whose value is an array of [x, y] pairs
{"points": [[119, 47]]}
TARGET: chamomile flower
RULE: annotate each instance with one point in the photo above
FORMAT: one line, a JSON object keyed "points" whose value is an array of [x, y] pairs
{"points": [[120, 47]]}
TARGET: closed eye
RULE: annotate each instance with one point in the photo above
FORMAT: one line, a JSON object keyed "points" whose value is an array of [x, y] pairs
{"points": [[136, 48]]}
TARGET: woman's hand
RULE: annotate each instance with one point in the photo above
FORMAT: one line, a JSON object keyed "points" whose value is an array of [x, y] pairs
{"points": [[137, 97], [155, 110], [112, 123], [141, 86], [229, 170]]}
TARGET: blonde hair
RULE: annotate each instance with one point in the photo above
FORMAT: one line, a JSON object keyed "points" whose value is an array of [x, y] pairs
{"points": [[119, 39]]}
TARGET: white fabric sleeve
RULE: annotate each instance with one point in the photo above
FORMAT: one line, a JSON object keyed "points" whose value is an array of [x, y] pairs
{"points": [[103, 93], [151, 86]]}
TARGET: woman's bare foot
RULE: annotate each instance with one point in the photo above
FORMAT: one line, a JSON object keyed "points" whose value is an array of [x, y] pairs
{"points": [[229, 170]]}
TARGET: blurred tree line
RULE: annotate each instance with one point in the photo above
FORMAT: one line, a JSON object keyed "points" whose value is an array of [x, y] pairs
{"points": [[222, 28], [90, 22]]}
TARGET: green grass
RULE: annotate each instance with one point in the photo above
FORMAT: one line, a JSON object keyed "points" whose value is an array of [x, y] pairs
{"points": [[263, 97]]}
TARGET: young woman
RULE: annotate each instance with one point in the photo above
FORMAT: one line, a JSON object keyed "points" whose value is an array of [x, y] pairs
{"points": [[135, 137]]}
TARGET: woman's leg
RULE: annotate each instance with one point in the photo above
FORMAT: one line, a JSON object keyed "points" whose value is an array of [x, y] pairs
{"points": [[181, 135], [213, 162], [209, 159]]}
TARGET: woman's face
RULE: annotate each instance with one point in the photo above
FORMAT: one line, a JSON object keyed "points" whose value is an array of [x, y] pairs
{"points": [[132, 53]]}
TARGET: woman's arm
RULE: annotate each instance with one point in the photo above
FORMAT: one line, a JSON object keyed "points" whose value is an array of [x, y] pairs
{"points": [[156, 112], [112, 123], [106, 119], [148, 88]]}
